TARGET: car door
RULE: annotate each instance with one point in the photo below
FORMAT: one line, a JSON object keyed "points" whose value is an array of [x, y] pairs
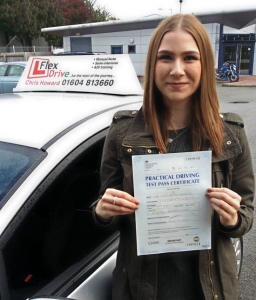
{"points": [[52, 246], [12, 77], [3, 69]]}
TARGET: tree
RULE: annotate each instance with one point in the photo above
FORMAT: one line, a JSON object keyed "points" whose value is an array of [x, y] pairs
{"points": [[100, 14], [75, 12], [25, 18], [79, 12]]}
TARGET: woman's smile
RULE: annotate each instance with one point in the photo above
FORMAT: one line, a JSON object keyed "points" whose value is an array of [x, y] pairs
{"points": [[177, 85]]}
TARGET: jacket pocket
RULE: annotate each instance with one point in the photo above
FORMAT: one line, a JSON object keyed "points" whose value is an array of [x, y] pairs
{"points": [[128, 151], [218, 175]]}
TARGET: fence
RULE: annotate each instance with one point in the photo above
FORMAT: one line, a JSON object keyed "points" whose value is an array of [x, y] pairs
{"points": [[19, 49], [21, 56]]}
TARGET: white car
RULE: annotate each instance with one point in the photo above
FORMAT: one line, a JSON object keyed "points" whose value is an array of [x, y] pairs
{"points": [[52, 132], [50, 152]]}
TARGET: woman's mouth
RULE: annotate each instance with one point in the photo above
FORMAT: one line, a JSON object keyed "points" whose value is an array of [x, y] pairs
{"points": [[177, 84]]}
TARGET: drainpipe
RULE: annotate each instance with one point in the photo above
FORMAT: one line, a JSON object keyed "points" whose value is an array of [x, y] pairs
{"points": [[220, 60]]}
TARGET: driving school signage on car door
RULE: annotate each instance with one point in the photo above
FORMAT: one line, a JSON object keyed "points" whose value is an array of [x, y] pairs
{"points": [[111, 74]]}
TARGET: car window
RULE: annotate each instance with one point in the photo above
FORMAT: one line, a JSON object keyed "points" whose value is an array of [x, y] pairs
{"points": [[15, 162], [15, 70], [55, 228], [3, 69]]}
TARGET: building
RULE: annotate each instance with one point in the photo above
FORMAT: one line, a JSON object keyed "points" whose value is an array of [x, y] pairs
{"points": [[232, 35]]}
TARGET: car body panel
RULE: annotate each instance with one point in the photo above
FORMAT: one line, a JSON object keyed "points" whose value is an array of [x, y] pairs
{"points": [[90, 287], [58, 110], [55, 153]]}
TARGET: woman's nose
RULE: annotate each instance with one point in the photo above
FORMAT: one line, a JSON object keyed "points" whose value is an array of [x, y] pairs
{"points": [[177, 68]]}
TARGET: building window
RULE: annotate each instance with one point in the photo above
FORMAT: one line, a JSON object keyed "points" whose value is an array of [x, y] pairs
{"points": [[116, 49], [131, 49]]}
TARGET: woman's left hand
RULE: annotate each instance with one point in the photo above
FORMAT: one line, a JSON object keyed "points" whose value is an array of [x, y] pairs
{"points": [[226, 203]]}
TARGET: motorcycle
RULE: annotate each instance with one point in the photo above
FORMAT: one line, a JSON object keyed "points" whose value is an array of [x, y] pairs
{"points": [[227, 72]]}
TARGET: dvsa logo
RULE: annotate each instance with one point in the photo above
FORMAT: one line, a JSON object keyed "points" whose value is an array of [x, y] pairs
{"points": [[40, 67]]}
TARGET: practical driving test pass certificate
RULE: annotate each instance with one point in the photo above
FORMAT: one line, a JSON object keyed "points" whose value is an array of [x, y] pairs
{"points": [[174, 214]]}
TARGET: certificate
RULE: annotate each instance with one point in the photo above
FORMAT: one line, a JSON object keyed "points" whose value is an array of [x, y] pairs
{"points": [[174, 214]]}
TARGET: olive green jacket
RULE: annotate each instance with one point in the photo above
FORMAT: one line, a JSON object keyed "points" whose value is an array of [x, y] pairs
{"points": [[135, 277]]}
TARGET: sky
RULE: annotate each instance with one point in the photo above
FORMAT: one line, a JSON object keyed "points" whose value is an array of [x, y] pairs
{"points": [[133, 9]]}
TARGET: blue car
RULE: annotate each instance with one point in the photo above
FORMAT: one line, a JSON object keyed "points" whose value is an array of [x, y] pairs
{"points": [[10, 74]]}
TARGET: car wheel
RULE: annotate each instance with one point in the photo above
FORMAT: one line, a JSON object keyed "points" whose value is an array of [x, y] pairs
{"points": [[238, 247]]}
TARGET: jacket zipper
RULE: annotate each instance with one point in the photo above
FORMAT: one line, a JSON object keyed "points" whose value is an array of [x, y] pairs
{"points": [[210, 273], [210, 266]]}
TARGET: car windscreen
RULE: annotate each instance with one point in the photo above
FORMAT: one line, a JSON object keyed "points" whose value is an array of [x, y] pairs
{"points": [[16, 162]]}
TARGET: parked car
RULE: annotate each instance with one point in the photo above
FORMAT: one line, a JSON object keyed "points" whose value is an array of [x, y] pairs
{"points": [[52, 132], [10, 74], [50, 151], [79, 53]]}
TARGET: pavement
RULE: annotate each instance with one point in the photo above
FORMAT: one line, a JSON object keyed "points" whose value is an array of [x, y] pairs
{"points": [[244, 80]]}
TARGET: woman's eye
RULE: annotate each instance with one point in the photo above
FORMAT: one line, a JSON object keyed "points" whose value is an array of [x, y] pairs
{"points": [[190, 57], [164, 57]]}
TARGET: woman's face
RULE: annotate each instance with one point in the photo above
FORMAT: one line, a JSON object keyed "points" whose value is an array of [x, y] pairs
{"points": [[178, 67]]}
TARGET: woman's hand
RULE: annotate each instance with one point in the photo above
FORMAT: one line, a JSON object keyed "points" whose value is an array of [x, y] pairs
{"points": [[226, 203], [115, 202]]}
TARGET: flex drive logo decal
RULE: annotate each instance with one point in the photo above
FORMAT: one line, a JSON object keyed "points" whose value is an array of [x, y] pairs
{"points": [[41, 68]]}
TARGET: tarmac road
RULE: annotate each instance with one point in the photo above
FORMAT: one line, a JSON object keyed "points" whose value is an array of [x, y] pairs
{"points": [[242, 100]]}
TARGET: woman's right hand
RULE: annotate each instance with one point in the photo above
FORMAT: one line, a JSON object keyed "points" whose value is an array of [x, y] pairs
{"points": [[115, 202]]}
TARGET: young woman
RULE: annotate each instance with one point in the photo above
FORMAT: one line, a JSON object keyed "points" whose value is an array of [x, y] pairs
{"points": [[180, 113]]}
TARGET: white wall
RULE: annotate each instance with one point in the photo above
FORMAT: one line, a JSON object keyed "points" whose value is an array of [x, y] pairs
{"points": [[245, 30], [213, 30], [102, 43]]}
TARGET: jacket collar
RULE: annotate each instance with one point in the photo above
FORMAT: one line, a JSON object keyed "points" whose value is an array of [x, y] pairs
{"points": [[139, 136]]}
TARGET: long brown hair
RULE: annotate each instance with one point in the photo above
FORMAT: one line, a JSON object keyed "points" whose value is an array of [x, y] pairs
{"points": [[205, 122]]}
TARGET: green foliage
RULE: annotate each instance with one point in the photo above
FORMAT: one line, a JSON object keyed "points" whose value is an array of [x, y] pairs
{"points": [[25, 18], [100, 14]]}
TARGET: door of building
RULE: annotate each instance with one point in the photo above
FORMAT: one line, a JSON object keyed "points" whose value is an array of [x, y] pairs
{"points": [[80, 44], [245, 59], [240, 54]]}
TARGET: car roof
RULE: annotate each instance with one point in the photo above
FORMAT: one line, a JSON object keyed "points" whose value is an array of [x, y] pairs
{"points": [[20, 63], [33, 119], [79, 53]]}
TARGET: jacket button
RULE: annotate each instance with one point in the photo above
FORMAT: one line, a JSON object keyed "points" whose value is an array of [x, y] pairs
{"points": [[134, 112], [124, 270], [212, 262], [216, 297], [228, 142], [149, 151], [129, 150]]}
